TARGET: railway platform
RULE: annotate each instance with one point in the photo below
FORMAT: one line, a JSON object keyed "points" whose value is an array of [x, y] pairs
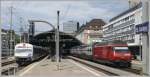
{"points": [[137, 65], [66, 67]]}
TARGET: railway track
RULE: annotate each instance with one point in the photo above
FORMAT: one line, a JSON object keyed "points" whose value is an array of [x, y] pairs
{"points": [[128, 69], [105, 69], [8, 64], [4, 63], [11, 68], [132, 70], [7, 69]]}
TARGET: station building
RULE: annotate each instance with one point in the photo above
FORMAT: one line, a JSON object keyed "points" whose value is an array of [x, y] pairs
{"points": [[91, 32], [5, 42], [122, 27]]}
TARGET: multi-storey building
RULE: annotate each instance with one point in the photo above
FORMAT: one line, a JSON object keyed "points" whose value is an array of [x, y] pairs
{"points": [[133, 3], [91, 32], [5, 42], [122, 27]]}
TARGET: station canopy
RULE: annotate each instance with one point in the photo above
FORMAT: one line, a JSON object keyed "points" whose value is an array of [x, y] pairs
{"points": [[47, 39]]}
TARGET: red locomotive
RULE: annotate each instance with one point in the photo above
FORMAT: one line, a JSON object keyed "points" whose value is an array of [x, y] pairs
{"points": [[112, 52]]}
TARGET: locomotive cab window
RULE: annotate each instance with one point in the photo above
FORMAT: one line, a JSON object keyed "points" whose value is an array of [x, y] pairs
{"points": [[23, 50], [121, 49]]}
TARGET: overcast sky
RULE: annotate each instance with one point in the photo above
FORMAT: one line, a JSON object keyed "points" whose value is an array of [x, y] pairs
{"points": [[81, 11]]}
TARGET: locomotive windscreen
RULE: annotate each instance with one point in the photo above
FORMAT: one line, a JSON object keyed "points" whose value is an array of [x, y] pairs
{"points": [[23, 50], [121, 49]]}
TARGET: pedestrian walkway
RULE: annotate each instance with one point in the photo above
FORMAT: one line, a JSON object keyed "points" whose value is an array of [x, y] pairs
{"points": [[137, 65], [66, 67]]}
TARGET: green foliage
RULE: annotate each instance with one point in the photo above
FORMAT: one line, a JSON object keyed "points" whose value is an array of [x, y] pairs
{"points": [[17, 38]]}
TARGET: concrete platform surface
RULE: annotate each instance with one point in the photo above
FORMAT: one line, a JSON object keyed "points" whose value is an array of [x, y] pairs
{"points": [[137, 65], [66, 68]]}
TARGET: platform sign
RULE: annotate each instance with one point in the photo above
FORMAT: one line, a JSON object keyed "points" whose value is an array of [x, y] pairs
{"points": [[142, 28]]}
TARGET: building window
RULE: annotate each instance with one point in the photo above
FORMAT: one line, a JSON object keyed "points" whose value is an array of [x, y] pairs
{"points": [[126, 19]]}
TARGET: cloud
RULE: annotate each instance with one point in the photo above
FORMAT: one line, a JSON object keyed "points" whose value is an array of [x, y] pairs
{"points": [[81, 11]]}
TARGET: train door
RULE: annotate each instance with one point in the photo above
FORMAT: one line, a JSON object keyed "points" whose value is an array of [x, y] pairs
{"points": [[90, 50]]}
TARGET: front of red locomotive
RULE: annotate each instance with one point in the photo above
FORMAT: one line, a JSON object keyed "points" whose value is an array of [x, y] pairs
{"points": [[121, 55]]}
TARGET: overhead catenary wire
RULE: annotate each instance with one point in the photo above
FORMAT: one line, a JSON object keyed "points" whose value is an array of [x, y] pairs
{"points": [[66, 12]]}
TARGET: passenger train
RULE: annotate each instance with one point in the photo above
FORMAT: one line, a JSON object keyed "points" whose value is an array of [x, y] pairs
{"points": [[110, 53], [25, 53]]}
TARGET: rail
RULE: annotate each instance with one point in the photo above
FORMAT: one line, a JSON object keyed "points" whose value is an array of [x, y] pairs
{"points": [[9, 64], [7, 61], [107, 69]]}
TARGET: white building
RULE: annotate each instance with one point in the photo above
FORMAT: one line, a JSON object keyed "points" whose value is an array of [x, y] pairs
{"points": [[122, 27], [91, 32], [5, 42], [70, 26], [133, 3]]}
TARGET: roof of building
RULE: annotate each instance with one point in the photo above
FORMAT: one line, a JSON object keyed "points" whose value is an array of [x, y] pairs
{"points": [[127, 11], [47, 39], [6, 30], [3, 30], [93, 23]]}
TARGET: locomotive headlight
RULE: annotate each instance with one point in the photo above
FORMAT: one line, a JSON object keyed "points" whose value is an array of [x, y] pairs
{"points": [[126, 54], [114, 53]]}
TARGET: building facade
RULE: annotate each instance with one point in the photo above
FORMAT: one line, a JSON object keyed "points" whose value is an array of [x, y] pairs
{"points": [[70, 27], [122, 27], [91, 32], [133, 3], [5, 42]]}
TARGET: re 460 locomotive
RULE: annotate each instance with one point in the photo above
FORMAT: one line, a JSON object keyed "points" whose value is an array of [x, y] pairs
{"points": [[112, 52]]}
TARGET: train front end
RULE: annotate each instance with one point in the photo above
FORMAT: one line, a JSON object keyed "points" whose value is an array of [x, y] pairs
{"points": [[121, 56], [23, 53]]}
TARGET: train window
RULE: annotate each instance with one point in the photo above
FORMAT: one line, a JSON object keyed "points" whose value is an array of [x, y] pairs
{"points": [[121, 49], [23, 50]]}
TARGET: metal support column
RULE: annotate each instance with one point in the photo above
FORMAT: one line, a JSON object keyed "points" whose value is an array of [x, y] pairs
{"points": [[0, 49], [11, 35], [145, 39], [57, 38], [149, 35]]}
